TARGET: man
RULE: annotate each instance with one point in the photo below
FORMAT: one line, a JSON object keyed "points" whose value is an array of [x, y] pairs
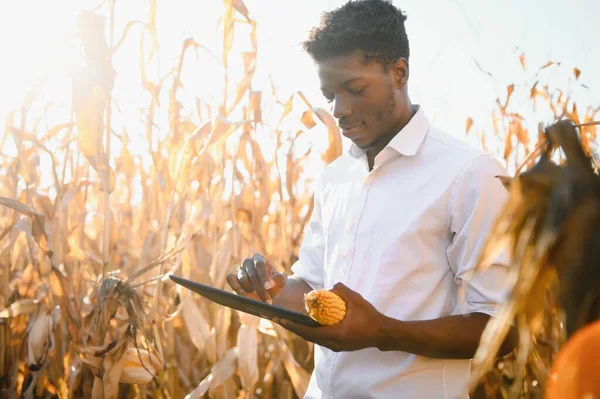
{"points": [[397, 227]]}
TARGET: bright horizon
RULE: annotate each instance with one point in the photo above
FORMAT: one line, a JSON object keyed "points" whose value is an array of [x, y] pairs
{"points": [[446, 39]]}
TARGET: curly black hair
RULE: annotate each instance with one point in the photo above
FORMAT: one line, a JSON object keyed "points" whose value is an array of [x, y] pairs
{"points": [[374, 26]]}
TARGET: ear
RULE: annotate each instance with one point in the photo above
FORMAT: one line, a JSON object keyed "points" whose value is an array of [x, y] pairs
{"points": [[401, 72]]}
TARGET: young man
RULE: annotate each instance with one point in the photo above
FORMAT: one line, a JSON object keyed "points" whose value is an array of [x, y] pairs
{"points": [[397, 227]]}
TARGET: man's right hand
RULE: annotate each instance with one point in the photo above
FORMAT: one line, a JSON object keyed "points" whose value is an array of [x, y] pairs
{"points": [[257, 279]]}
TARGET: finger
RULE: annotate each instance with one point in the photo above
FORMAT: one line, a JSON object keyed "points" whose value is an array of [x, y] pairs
{"points": [[270, 268], [298, 329], [344, 292], [313, 334], [260, 264], [279, 279], [257, 284], [243, 278], [232, 280]]}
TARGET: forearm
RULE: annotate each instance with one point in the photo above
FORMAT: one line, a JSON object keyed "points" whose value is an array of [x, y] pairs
{"points": [[292, 295], [451, 337]]}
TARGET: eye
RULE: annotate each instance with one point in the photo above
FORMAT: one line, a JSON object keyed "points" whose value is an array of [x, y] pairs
{"points": [[356, 91], [328, 97]]}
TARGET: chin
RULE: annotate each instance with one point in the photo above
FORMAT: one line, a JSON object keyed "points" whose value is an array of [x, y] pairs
{"points": [[363, 143]]}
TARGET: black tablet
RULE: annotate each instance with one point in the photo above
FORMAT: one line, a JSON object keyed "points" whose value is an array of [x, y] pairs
{"points": [[244, 304]]}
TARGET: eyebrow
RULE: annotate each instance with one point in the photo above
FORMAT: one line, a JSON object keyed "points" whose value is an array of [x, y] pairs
{"points": [[347, 82]]}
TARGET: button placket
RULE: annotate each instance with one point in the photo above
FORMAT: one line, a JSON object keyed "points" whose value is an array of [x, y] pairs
{"points": [[351, 228], [330, 357]]}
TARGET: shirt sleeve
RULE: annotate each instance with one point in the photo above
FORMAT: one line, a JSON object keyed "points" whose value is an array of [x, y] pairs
{"points": [[477, 199], [309, 266]]}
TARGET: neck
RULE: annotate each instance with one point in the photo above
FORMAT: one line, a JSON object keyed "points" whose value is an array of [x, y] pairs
{"points": [[375, 147]]}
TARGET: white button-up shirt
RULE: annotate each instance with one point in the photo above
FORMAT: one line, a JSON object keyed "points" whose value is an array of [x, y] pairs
{"points": [[405, 236]]}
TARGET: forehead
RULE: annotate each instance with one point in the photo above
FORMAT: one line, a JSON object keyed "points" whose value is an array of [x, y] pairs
{"points": [[338, 70]]}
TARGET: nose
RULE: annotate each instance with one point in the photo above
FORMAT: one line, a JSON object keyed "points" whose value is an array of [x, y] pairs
{"points": [[341, 108]]}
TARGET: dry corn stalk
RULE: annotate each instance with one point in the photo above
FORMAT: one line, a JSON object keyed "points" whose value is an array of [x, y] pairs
{"points": [[324, 306], [548, 227], [510, 140]]}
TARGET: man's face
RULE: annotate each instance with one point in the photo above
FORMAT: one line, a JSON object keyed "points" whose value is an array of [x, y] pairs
{"points": [[367, 100]]}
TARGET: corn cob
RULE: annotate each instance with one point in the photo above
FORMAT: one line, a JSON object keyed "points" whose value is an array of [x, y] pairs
{"points": [[139, 365], [325, 307]]}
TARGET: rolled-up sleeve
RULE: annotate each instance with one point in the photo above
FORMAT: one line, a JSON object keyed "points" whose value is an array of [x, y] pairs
{"points": [[309, 266], [477, 199]]}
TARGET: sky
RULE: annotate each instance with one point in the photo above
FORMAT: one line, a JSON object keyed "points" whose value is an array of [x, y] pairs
{"points": [[448, 36], [447, 39]]}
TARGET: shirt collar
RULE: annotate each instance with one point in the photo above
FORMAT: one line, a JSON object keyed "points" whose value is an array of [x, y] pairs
{"points": [[408, 140]]}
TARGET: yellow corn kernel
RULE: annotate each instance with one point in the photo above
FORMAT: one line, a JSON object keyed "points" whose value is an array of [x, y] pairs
{"points": [[325, 307]]}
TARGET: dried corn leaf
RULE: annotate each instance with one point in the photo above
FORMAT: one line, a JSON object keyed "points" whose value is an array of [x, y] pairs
{"points": [[220, 372], [308, 120], [40, 339], [469, 123], [247, 344], [287, 108], [334, 148], [249, 68], [139, 365], [266, 327], [19, 207], [228, 31], [92, 86], [549, 63], [255, 106], [241, 8], [112, 369], [19, 307], [522, 60], [222, 261], [197, 326], [299, 377], [37, 221]]}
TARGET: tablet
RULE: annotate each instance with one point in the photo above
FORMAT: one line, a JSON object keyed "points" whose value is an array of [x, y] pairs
{"points": [[244, 304]]}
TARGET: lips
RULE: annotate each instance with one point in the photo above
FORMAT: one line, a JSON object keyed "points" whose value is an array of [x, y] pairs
{"points": [[350, 131]]}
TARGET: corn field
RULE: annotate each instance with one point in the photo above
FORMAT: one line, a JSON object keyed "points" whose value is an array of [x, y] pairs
{"points": [[93, 223]]}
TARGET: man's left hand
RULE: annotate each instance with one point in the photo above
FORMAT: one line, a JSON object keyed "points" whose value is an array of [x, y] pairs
{"points": [[359, 329]]}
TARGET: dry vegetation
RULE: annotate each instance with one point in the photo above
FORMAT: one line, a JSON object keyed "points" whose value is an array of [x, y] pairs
{"points": [[547, 226], [89, 233]]}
